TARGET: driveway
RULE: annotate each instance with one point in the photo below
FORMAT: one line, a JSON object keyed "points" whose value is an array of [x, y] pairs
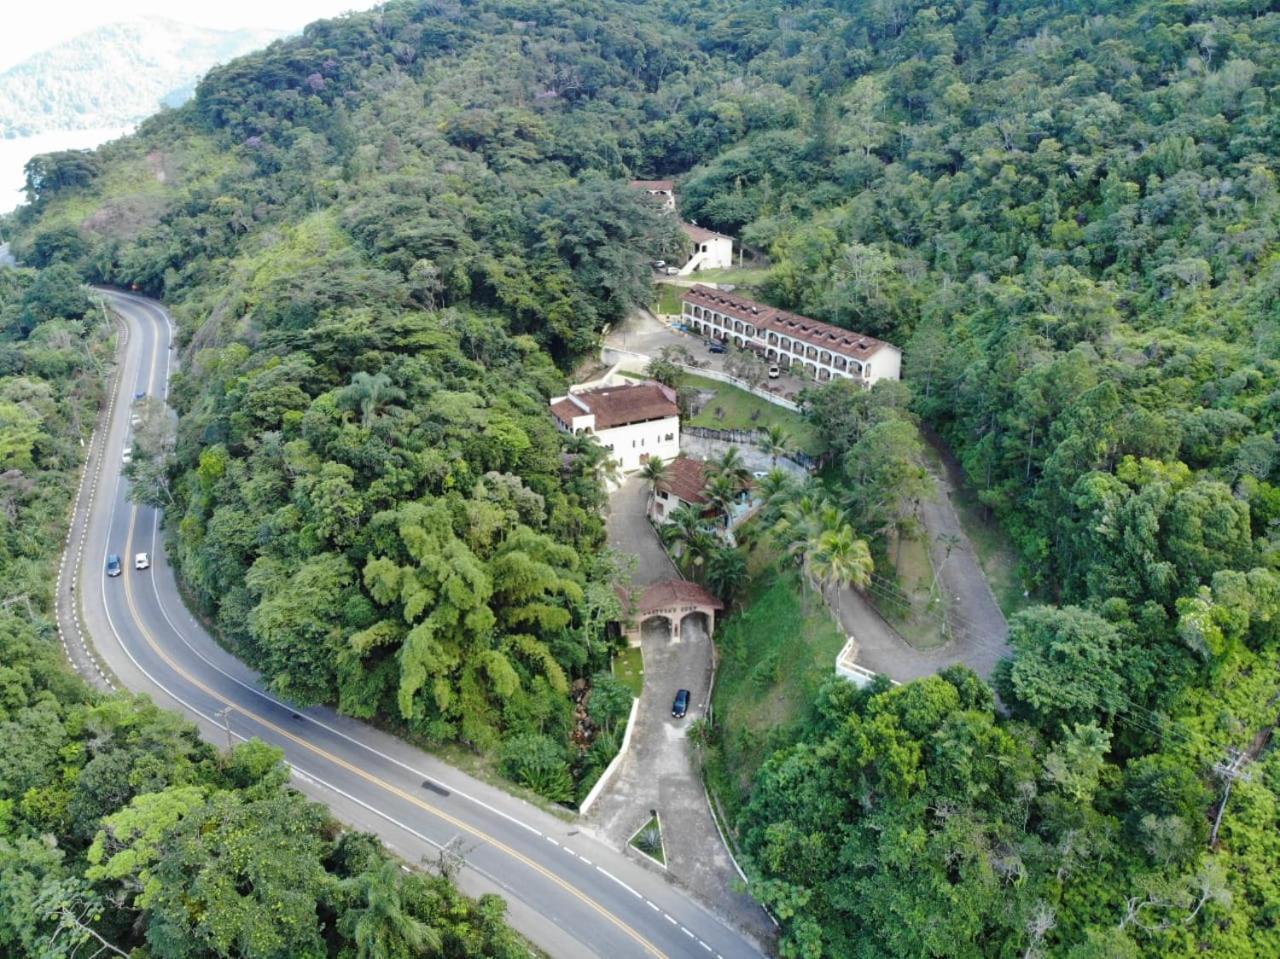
{"points": [[659, 771], [644, 333], [630, 534], [979, 634]]}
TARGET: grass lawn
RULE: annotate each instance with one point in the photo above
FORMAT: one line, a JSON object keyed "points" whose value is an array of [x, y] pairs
{"points": [[996, 555], [775, 654], [667, 299], [919, 620], [740, 276], [735, 409], [628, 666]]}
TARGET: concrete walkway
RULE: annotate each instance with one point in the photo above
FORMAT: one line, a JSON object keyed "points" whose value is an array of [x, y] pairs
{"points": [[659, 771]]}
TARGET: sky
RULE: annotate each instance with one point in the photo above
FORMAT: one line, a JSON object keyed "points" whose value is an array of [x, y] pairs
{"points": [[28, 28]]}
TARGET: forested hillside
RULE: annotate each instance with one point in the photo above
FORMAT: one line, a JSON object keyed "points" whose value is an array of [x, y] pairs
{"points": [[114, 75], [119, 827], [388, 239]]}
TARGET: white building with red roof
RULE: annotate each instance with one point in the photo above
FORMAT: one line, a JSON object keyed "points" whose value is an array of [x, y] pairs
{"points": [[634, 421], [807, 347], [711, 250], [662, 191]]}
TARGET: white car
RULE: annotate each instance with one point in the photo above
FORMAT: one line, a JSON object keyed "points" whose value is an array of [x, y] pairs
{"points": [[142, 561], [774, 372], [127, 456]]}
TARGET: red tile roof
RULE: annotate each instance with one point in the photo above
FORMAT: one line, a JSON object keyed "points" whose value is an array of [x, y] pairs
{"points": [[700, 234], [687, 478], [667, 185], [619, 405], [763, 316], [675, 592]]}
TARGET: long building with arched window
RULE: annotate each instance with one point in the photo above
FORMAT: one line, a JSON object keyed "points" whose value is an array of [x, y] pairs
{"points": [[804, 346]]}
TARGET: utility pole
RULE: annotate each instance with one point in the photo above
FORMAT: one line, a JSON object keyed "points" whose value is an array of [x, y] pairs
{"points": [[225, 715], [1228, 772]]}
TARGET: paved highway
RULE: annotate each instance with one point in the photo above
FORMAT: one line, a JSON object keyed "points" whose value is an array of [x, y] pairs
{"points": [[568, 893]]}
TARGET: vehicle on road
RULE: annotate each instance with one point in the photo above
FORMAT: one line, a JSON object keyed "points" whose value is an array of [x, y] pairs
{"points": [[715, 347], [113, 565], [672, 271], [127, 456], [140, 395], [142, 561], [659, 264], [681, 704], [774, 372]]}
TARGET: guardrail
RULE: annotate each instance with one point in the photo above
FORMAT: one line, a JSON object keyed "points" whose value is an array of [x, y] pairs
{"points": [[846, 667]]}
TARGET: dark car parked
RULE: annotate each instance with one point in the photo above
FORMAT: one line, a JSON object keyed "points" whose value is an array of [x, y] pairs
{"points": [[113, 565], [716, 347], [681, 704]]}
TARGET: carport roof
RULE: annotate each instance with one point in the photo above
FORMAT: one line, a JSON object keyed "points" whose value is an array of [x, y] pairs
{"points": [[676, 592]]}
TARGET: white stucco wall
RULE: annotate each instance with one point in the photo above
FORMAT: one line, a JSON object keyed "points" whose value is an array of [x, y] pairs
{"points": [[713, 254], [632, 445]]}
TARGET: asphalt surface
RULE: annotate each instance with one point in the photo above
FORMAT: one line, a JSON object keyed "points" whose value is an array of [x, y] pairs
{"points": [[570, 894]]}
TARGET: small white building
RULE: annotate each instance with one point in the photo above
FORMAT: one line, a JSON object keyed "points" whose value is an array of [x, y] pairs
{"points": [[798, 344], [662, 191], [711, 250], [633, 422]]}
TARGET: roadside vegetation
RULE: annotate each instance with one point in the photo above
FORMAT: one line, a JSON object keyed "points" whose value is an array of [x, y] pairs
{"points": [[386, 239], [121, 832]]}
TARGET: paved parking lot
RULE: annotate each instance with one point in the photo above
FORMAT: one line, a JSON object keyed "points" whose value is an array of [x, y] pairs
{"points": [[642, 332]]}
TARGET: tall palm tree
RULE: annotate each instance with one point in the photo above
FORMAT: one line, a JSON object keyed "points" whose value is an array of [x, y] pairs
{"points": [[721, 492], [658, 473], [732, 465], [681, 527], [383, 927], [835, 558], [803, 520], [369, 393], [775, 443]]}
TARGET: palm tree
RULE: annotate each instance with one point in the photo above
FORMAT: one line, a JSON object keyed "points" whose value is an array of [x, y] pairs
{"points": [[775, 443], [838, 558], [726, 572], [803, 520], [383, 927], [732, 465], [369, 393], [721, 493], [658, 474], [681, 527]]}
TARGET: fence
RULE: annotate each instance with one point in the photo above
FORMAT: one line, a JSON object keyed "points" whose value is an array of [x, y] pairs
{"points": [[637, 362], [755, 438]]}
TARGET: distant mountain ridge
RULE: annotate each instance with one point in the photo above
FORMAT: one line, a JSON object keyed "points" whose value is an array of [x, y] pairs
{"points": [[115, 75]]}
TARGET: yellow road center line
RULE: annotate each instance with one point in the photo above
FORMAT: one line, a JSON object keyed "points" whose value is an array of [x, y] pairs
{"points": [[338, 761]]}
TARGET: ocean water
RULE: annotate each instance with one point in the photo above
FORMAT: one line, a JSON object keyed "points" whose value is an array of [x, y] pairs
{"points": [[15, 153]]}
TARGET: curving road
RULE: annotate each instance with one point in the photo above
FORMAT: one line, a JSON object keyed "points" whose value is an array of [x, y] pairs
{"points": [[570, 894]]}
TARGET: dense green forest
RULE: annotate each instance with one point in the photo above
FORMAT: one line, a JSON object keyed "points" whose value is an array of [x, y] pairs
{"points": [[388, 239], [119, 827]]}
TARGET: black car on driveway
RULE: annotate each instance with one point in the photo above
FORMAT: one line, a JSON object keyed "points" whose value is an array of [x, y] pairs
{"points": [[681, 704]]}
